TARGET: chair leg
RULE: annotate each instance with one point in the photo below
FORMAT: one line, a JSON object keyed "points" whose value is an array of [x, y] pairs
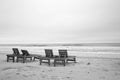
{"points": [[54, 63], [13, 59], [63, 62], [74, 60], [7, 58], [40, 61], [17, 59], [24, 59], [49, 62]]}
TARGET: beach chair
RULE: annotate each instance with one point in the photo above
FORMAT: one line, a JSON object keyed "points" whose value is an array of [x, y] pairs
{"points": [[63, 57], [48, 56], [25, 55], [12, 56], [64, 53]]}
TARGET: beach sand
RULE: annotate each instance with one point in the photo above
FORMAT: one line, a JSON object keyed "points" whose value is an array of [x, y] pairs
{"points": [[86, 68]]}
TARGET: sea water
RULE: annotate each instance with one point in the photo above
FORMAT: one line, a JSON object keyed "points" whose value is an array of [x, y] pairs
{"points": [[80, 51]]}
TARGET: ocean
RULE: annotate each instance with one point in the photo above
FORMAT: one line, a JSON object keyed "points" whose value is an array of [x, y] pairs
{"points": [[106, 50]]}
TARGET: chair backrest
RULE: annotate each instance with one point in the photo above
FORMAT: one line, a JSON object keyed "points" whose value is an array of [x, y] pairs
{"points": [[63, 53], [15, 51], [25, 53], [49, 52]]}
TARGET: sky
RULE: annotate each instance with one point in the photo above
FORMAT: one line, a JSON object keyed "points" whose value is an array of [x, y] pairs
{"points": [[59, 21]]}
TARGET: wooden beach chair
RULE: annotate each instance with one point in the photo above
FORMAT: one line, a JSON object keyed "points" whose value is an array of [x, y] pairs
{"points": [[25, 55], [12, 56], [63, 57], [48, 56], [64, 53]]}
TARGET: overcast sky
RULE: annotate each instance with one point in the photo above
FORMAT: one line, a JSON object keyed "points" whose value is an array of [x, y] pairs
{"points": [[66, 21]]}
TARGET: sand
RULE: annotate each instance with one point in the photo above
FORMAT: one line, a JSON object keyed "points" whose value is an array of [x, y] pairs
{"points": [[89, 66], [84, 69]]}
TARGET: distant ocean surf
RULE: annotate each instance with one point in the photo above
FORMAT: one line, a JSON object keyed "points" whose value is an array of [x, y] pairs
{"points": [[82, 49]]}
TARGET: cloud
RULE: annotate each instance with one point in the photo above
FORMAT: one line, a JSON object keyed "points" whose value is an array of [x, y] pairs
{"points": [[64, 20]]}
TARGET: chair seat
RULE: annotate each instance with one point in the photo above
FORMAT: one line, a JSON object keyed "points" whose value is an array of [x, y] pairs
{"points": [[23, 58], [10, 55], [60, 59]]}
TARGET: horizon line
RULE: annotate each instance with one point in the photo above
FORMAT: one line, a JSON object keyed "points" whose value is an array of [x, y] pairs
{"points": [[61, 44]]}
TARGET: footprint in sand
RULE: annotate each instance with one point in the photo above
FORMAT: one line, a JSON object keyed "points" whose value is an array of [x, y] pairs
{"points": [[117, 74], [105, 70], [50, 70], [67, 78], [88, 63], [24, 75], [102, 77], [17, 73], [43, 71], [44, 75], [55, 78]]}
